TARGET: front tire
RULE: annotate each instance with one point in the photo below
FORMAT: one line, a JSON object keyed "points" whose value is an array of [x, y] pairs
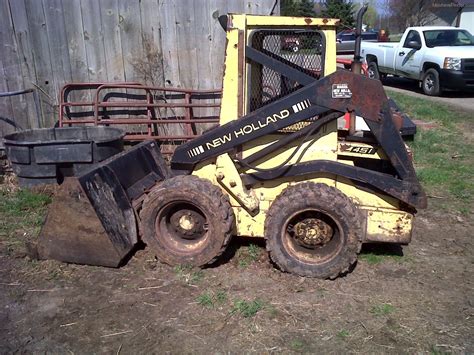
{"points": [[430, 83], [313, 230], [187, 221], [373, 71]]}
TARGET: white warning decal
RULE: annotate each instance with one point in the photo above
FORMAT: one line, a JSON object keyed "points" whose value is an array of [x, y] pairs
{"points": [[196, 151], [341, 91], [300, 106]]}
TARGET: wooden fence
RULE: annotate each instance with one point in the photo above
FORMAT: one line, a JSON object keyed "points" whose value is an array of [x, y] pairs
{"points": [[47, 43]]}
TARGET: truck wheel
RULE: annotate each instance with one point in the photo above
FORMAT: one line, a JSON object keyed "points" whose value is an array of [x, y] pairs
{"points": [[187, 221], [373, 71], [313, 230], [430, 82], [295, 49]]}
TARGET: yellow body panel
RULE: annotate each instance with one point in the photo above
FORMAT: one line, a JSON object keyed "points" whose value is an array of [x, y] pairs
{"points": [[385, 225], [230, 99], [384, 221], [286, 21]]}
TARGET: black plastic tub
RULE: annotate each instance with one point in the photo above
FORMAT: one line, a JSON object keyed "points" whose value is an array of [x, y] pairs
{"points": [[46, 156]]}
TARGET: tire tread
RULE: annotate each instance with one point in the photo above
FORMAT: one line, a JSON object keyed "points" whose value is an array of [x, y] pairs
{"points": [[202, 186], [303, 192]]}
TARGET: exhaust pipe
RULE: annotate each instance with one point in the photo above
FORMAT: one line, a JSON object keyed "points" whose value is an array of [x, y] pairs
{"points": [[356, 66]]}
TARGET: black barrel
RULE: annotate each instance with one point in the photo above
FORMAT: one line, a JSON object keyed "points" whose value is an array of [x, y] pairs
{"points": [[45, 156]]}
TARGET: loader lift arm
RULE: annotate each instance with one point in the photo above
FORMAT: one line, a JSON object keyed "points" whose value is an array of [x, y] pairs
{"points": [[314, 100]]}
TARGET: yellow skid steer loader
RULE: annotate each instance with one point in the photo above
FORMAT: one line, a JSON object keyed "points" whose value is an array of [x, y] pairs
{"points": [[276, 167]]}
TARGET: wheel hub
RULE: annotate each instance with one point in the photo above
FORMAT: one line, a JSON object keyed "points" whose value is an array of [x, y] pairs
{"points": [[313, 232], [188, 224], [429, 83]]}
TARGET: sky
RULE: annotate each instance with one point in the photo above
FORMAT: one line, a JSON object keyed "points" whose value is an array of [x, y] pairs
{"points": [[381, 5]]}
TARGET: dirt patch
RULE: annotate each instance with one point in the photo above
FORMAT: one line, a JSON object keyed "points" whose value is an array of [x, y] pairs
{"points": [[415, 299], [468, 131], [425, 125]]}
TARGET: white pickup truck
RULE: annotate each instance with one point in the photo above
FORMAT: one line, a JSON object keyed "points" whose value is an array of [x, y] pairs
{"points": [[439, 57]]}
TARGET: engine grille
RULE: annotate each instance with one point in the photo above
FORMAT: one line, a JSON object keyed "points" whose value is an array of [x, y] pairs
{"points": [[467, 65]]}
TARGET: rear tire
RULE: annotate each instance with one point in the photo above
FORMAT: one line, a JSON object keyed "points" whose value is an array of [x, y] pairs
{"points": [[373, 71], [187, 221], [313, 230], [430, 82]]}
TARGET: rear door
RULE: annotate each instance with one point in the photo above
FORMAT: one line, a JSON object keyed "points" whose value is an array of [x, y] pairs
{"points": [[408, 61], [346, 43]]}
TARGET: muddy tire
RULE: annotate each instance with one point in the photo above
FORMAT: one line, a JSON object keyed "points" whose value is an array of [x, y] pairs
{"points": [[313, 230], [187, 221], [430, 83]]}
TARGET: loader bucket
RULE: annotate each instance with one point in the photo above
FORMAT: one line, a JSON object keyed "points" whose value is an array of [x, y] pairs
{"points": [[92, 217]]}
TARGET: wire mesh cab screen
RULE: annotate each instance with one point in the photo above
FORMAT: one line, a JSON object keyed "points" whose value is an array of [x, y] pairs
{"points": [[301, 49]]}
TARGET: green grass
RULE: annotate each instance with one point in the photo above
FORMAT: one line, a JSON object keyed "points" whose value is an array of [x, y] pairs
{"points": [[22, 202], [219, 299], [21, 216], [297, 345], [343, 334], [434, 350], [205, 299], [443, 155], [374, 258], [188, 273], [249, 255], [382, 309], [212, 299], [247, 308]]}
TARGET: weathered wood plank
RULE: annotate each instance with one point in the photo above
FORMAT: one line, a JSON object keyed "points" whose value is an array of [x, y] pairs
{"points": [[218, 41], [6, 110], [94, 42], [151, 62], [5, 102], [131, 39], [21, 32], [132, 47], [93, 39], [259, 7], [202, 39], [169, 36], [173, 63], [39, 42], [77, 48], [58, 48], [188, 39], [12, 67], [75, 41], [56, 30], [112, 44]]}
